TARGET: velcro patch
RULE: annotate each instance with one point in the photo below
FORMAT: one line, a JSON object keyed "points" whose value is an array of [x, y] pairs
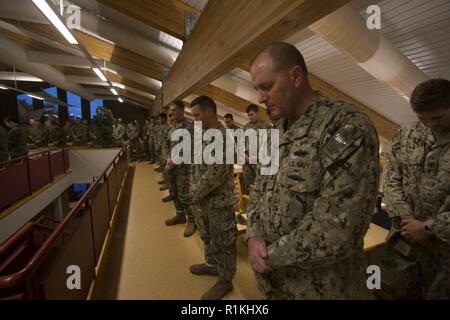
{"points": [[342, 140]]}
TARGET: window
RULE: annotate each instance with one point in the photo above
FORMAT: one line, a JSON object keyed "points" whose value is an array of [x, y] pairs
{"points": [[74, 103], [51, 108], [25, 101], [94, 105]]}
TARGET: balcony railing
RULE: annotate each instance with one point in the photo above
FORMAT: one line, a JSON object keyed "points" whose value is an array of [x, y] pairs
{"points": [[35, 262], [22, 176]]}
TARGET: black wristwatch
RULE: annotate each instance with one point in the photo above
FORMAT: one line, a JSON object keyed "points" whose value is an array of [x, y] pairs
{"points": [[428, 230]]}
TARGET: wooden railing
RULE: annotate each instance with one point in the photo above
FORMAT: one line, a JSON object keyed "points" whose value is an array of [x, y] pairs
{"points": [[34, 261], [22, 176]]}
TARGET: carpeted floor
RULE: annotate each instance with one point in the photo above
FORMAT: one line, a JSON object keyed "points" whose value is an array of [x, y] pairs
{"points": [[145, 259]]}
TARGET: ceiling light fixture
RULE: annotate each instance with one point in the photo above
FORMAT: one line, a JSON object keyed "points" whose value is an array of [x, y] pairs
{"points": [[114, 91], [55, 20], [3, 87], [120, 100], [100, 74], [35, 97]]}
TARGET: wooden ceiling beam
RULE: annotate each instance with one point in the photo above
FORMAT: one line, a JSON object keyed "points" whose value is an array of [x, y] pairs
{"points": [[28, 43], [111, 76], [229, 33], [135, 96], [103, 50], [164, 15]]}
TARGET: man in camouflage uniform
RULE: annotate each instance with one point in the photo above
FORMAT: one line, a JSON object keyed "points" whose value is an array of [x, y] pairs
{"points": [[179, 174], [119, 132], [249, 170], [229, 122], [57, 134], [41, 135], [31, 131], [17, 139], [79, 133], [417, 185], [3, 144], [145, 134], [151, 140], [133, 139], [213, 194], [160, 135], [68, 127], [307, 226]]}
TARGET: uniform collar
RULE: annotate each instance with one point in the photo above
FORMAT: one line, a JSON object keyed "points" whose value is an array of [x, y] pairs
{"points": [[300, 128], [429, 138]]}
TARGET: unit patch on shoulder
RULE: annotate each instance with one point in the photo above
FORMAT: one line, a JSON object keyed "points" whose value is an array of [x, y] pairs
{"points": [[342, 140]]}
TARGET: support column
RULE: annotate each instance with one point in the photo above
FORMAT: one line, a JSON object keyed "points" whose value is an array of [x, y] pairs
{"points": [[86, 110], [63, 112]]}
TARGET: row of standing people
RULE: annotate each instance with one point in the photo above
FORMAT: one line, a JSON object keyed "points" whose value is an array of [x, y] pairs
{"points": [[307, 222]]}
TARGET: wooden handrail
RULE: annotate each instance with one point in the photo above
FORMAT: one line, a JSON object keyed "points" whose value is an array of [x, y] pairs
{"points": [[12, 279], [16, 237], [28, 156]]}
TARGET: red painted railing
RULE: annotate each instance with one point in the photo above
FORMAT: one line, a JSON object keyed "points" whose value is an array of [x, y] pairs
{"points": [[22, 176], [30, 260]]}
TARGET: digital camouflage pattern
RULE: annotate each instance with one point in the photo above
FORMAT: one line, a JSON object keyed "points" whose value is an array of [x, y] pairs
{"points": [[17, 143], [133, 138], [417, 182], [41, 137], [180, 174], [160, 138], [145, 134], [151, 141], [213, 185], [314, 213], [79, 134], [57, 135], [31, 132], [119, 132], [249, 170]]}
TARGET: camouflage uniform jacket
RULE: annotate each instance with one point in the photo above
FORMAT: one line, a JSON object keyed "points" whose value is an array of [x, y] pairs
{"points": [[31, 133], [17, 143], [79, 133], [151, 132], [169, 144], [315, 211], [232, 127], [145, 133], [255, 125], [132, 131], [41, 136], [119, 132], [214, 183], [58, 135], [417, 178], [161, 134]]}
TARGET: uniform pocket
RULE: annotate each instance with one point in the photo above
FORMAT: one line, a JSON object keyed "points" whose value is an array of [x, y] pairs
{"points": [[296, 191]]}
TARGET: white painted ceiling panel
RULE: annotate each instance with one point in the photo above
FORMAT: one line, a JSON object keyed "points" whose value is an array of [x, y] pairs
{"points": [[421, 31], [339, 70]]}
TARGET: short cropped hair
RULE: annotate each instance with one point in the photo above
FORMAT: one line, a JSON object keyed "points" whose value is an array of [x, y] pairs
{"points": [[431, 95], [179, 104], [204, 102], [228, 116], [252, 107], [284, 56]]}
